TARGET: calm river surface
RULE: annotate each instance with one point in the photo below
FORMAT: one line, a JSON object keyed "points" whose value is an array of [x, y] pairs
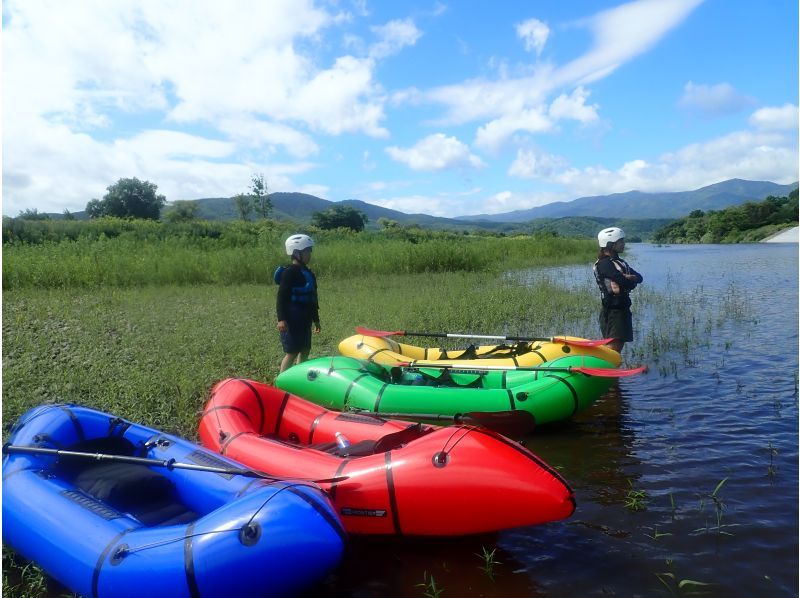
{"points": [[718, 327]]}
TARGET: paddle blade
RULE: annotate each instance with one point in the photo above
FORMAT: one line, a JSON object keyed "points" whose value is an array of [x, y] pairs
{"points": [[609, 372], [582, 342], [378, 333], [508, 423]]}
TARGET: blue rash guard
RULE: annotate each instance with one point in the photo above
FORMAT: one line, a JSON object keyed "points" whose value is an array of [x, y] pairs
{"points": [[298, 305]]}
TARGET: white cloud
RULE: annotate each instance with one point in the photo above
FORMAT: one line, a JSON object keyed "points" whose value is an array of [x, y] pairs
{"points": [[534, 34], [530, 164], [254, 133], [713, 100], [752, 155], [508, 201], [158, 144], [331, 102], [394, 35], [573, 107], [775, 118], [416, 204], [493, 135], [520, 104], [436, 152], [79, 73]]}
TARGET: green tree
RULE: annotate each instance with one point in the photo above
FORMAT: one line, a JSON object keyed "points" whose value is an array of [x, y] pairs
{"points": [[340, 217], [94, 209], [68, 215], [244, 205], [262, 204], [32, 214], [128, 198], [182, 211]]}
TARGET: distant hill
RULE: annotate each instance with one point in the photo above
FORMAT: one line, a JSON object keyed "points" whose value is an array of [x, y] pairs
{"points": [[638, 205], [301, 206], [639, 213]]}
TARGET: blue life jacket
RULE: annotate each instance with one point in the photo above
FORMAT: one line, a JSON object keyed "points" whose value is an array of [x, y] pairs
{"points": [[305, 294]]}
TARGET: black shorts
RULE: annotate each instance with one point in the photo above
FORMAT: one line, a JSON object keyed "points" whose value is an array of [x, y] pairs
{"points": [[616, 323], [296, 339]]}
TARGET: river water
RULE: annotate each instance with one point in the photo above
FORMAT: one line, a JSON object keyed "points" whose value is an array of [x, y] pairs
{"points": [[686, 477]]}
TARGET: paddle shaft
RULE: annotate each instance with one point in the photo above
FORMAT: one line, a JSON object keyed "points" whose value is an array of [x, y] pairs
{"points": [[476, 369], [549, 339], [166, 463]]}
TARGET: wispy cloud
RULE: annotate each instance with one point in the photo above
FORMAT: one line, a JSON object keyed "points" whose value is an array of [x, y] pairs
{"points": [[763, 153], [713, 100], [520, 104], [393, 36]]}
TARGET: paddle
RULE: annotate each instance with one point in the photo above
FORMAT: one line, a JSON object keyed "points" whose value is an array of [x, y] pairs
{"points": [[474, 369], [510, 423], [551, 339], [167, 463]]}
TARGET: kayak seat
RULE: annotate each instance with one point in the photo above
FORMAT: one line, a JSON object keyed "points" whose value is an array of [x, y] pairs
{"points": [[373, 447], [397, 439], [147, 495], [357, 449]]}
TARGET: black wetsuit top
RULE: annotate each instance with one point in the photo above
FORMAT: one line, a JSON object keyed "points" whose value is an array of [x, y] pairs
{"points": [[609, 269]]}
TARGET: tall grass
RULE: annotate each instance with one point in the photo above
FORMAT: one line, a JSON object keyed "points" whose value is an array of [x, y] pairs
{"points": [[241, 253]]}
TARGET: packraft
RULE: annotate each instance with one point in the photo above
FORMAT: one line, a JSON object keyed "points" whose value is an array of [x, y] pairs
{"points": [[401, 478], [550, 393], [108, 527], [387, 351]]}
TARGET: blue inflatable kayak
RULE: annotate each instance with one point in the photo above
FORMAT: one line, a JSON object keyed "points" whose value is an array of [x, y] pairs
{"points": [[105, 526]]}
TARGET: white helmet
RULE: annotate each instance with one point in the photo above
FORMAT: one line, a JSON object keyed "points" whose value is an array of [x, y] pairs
{"points": [[610, 235], [298, 243]]}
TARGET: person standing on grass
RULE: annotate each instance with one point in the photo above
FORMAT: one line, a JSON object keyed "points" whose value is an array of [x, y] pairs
{"points": [[297, 305], [616, 280]]}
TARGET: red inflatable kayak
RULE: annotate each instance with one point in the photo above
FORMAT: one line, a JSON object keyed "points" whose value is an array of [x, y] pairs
{"points": [[401, 478]]}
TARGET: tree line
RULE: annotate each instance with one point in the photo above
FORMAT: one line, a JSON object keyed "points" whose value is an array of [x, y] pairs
{"points": [[132, 198], [745, 223]]}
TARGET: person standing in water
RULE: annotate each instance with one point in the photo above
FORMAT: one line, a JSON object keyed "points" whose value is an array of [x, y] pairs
{"points": [[616, 280], [297, 305]]}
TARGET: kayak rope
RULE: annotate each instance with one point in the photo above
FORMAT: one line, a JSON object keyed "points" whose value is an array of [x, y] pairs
{"points": [[466, 429], [222, 432], [124, 551]]}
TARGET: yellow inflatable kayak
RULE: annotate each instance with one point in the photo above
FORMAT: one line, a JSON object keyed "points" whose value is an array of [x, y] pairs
{"points": [[387, 351]]}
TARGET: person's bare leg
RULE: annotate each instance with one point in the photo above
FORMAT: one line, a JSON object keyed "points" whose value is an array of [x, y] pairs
{"points": [[303, 356], [617, 345], [288, 361]]}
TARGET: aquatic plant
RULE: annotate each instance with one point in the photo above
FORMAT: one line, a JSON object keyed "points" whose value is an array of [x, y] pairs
{"points": [[772, 470], [429, 587], [635, 500], [719, 508], [684, 587], [489, 562]]}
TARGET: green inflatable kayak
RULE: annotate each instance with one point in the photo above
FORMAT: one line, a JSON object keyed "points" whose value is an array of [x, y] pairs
{"points": [[550, 392]]}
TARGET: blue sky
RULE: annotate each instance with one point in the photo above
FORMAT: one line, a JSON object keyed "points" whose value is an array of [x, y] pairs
{"points": [[446, 108]]}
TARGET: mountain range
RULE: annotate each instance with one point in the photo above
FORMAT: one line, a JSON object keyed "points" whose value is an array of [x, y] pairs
{"points": [[639, 205], [640, 213], [635, 205]]}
